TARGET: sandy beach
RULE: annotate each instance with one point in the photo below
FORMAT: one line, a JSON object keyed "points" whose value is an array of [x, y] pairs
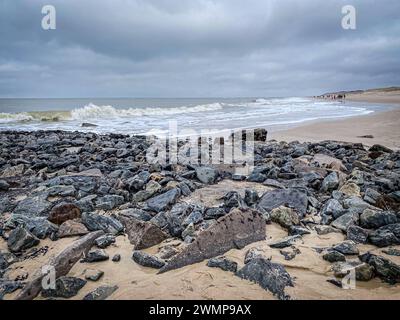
{"points": [[383, 126]]}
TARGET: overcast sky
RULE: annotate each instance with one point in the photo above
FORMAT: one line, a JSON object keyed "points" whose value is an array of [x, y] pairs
{"points": [[196, 48]]}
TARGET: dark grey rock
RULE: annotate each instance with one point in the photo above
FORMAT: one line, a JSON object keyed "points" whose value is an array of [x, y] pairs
{"points": [[95, 255], [101, 293], [214, 213], [384, 268], [292, 198], [347, 247], [147, 260], [4, 186], [116, 258], [9, 286], [138, 214], [297, 230], [233, 200], [333, 208], [345, 221], [105, 241], [109, 202], [206, 175], [334, 256], [66, 287], [251, 197], [392, 252], [33, 207], [330, 183], [164, 200], [38, 226], [371, 219], [222, 263], [357, 234], [386, 236], [95, 222], [270, 276], [285, 242], [21, 239]]}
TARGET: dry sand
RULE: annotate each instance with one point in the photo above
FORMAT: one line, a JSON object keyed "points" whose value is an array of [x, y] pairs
{"points": [[198, 281], [383, 126]]}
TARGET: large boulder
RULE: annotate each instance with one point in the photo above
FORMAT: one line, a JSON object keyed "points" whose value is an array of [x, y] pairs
{"points": [[270, 276], [386, 235], [235, 230], [38, 226], [33, 207], [142, 234], [292, 198]]}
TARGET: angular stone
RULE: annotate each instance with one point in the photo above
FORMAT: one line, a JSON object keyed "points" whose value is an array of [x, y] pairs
{"points": [[386, 236], [350, 189], [334, 256], [95, 222], [347, 248], [64, 212], [345, 221], [384, 268], [142, 234], [93, 275], [285, 242], [235, 230], [66, 287], [222, 263], [206, 175], [21, 239], [33, 207], [105, 241], [357, 234], [136, 213], [292, 198], [164, 200], [101, 293], [270, 276], [38, 226], [330, 183], [285, 217], [95, 255], [147, 260], [371, 219], [72, 228]]}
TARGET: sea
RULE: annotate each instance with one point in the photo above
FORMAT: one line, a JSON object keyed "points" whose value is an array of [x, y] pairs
{"points": [[174, 116]]}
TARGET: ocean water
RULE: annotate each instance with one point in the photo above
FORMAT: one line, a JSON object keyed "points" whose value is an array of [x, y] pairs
{"points": [[158, 116]]}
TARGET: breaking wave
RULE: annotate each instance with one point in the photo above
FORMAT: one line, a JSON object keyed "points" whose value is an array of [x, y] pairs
{"points": [[92, 111]]}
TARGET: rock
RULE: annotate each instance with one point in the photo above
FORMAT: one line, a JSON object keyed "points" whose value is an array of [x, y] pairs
{"points": [[252, 254], [371, 219], [292, 198], [290, 254], [138, 181], [95, 222], [296, 230], [147, 260], [273, 183], [189, 231], [357, 234], [62, 263], [71, 228], [285, 217], [13, 171], [334, 256], [350, 189], [9, 286], [223, 263], [330, 183], [386, 236], [116, 258], [251, 197], [371, 196], [323, 230], [66, 287], [195, 217], [33, 207], [95, 255], [214, 213], [88, 125], [325, 161], [101, 293], [235, 230], [62, 191], [4, 186], [105, 241], [384, 268], [345, 221], [380, 148], [164, 200], [206, 175], [347, 248], [93, 275], [233, 200], [64, 212], [21, 239], [40, 227], [392, 252], [86, 203], [152, 188], [355, 204], [142, 234], [285, 242], [136, 213], [109, 202], [364, 272], [333, 208], [270, 276]]}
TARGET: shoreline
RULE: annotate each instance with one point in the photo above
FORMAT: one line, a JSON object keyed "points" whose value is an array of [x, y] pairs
{"points": [[383, 125]]}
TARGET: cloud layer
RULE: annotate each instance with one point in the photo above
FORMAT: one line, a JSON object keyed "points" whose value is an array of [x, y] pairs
{"points": [[196, 48]]}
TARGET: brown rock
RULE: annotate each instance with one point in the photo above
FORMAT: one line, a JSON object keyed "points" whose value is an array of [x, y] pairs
{"points": [[234, 230], [142, 234], [72, 228], [64, 212]]}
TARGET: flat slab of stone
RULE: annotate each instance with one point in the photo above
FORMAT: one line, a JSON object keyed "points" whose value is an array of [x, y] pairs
{"points": [[235, 230], [291, 198]]}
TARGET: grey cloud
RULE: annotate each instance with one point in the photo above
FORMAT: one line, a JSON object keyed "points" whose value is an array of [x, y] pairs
{"points": [[167, 48]]}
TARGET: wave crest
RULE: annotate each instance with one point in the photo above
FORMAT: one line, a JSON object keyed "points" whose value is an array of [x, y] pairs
{"points": [[92, 111]]}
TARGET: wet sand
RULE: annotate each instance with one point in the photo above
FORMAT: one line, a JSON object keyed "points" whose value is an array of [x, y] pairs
{"points": [[383, 126]]}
